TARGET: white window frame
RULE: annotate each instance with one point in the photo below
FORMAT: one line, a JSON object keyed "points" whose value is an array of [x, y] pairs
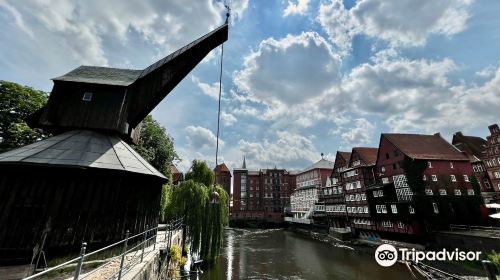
{"points": [[453, 178], [457, 192], [442, 192], [435, 208], [394, 209], [411, 210], [434, 178], [466, 178]]}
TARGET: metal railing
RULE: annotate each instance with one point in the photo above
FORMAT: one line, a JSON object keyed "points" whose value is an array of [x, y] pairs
{"points": [[128, 257], [470, 228]]}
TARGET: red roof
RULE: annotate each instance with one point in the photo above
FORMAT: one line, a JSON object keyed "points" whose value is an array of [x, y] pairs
{"points": [[221, 168], [345, 155], [368, 155], [419, 146]]}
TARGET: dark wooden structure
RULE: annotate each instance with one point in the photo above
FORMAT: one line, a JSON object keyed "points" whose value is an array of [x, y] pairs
{"points": [[86, 183]]}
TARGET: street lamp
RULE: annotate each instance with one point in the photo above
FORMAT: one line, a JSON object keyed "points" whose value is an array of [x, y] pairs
{"points": [[215, 197]]}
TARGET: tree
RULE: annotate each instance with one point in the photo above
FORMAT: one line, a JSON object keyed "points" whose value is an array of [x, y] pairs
{"points": [[204, 220], [201, 173], [414, 172], [156, 146], [475, 185], [17, 102]]}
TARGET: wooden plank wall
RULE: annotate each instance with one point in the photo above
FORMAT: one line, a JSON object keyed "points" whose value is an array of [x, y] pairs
{"points": [[71, 205]]}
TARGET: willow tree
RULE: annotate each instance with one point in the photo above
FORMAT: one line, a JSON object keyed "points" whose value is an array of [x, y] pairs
{"points": [[205, 211]]}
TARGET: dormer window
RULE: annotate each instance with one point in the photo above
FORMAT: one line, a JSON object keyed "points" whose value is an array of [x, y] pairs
{"points": [[87, 96]]}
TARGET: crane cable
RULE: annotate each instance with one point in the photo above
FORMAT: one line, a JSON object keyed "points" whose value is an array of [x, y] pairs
{"points": [[220, 94]]}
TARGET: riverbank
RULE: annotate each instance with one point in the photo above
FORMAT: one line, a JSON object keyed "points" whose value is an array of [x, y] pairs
{"points": [[463, 270]]}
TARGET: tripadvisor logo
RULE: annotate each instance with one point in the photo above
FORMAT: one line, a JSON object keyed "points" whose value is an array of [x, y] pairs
{"points": [[387, 255]]}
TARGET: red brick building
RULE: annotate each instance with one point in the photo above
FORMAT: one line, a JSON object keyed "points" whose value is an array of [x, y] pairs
{"points": [[492, 157], [356, 178], [475, 148], [223, 177], [177, 177], [261, 195], [448, 196]]}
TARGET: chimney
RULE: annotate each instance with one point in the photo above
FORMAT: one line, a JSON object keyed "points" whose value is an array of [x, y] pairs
{"points": [[493, 128], [459, 133], [437, 134]]}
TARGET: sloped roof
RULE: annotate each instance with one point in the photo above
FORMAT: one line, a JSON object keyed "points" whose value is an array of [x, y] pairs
{"points": [[174, 169], [125, 77], [320, 164], [101, 75], [420, 146], [222, 168], [367, 154], [477, 145], [82, 148], [345, 155]]}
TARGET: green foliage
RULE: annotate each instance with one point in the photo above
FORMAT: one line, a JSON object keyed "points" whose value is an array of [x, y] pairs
{"points": [[414, 172], [178, 261], [475, 185], [156, 146], [201, 173], [17, 102], [494, 257], [204, 220]]}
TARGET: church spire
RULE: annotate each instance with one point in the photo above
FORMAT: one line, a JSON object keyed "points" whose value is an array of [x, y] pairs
{"points": [[244, 166]]}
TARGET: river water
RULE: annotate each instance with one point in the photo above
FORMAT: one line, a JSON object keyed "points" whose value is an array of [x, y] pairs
{"points": [[281, 254]]}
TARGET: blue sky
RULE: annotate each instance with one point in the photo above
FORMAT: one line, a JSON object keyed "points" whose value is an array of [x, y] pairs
{"points": [[300, 77]]}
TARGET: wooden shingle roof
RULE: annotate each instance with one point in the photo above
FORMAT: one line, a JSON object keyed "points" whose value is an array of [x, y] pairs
{"points": [[84, 149], [101, 75]]}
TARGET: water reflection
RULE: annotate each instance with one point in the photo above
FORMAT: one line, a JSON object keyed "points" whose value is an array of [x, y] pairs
{"points": [[280, 254]]}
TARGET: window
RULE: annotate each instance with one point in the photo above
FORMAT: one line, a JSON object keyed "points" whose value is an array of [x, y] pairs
{"points": [[458, 192], [363, 196], [487, 183], [394, 209], [87, 96], [378, 208], [382, 169], [385, 180], [435, 207], [411, 210], [400, 224], [470, 192], [375, 193], [453, 178], [466, 178], [424, 178], [434, 178], [429, 164], [451, 164], [428, 191], [475, 168], [442, 191], [380, 193], [383, 208], [366, 209]]}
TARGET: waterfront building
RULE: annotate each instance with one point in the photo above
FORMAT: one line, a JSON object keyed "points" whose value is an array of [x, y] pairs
{"points": [[358, 175], [261, 194], [445, 196], [492, 158], [223, 177], [177, 176], [475, 148], [309, 185], [333, 195]]}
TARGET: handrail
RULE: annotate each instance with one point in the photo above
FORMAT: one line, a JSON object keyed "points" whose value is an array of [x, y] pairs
{"points": [[172, 225]]}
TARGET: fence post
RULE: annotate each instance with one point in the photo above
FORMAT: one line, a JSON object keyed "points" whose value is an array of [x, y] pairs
{"points": [[154, 239], [143, 243], [127, 233], [80, 261]]}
